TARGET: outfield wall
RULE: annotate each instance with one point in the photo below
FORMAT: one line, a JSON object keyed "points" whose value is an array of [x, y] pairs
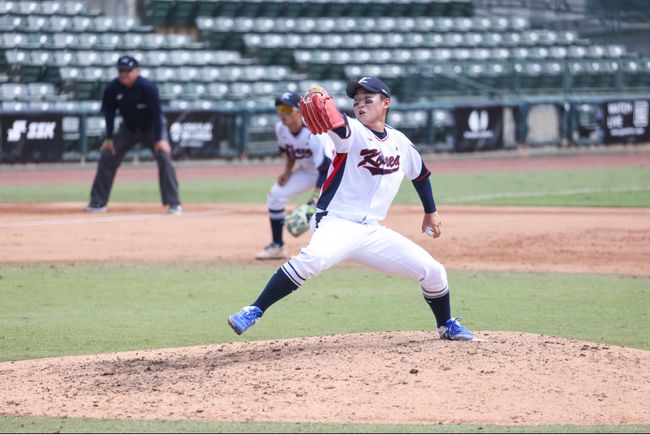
{"points": [[52, 136]]}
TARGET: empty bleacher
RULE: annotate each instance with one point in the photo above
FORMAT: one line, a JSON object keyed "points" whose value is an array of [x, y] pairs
{"points": [[252, 49], [232, 54]]}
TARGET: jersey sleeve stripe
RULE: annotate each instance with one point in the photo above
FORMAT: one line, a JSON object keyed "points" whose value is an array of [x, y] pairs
{"points": [[424, 172], [333, 181]]}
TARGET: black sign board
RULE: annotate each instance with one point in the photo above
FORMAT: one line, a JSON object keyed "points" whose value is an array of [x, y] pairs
{"points": [[31, 137], [478, 128], [193, 133], [626, 121]]}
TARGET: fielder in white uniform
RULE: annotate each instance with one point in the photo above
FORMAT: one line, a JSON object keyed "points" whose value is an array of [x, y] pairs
{"points": [[307, 160], [371, 161]]}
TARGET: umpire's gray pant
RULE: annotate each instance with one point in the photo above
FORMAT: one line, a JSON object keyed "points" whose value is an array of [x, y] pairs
{"points": [[124, 140]]}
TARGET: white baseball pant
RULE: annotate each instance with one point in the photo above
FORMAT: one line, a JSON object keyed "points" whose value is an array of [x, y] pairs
{"points": [[299, 182], [373, 245]]}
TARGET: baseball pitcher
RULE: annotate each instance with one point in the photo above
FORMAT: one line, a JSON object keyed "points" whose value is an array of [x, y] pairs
{"points": [[371, 161]]}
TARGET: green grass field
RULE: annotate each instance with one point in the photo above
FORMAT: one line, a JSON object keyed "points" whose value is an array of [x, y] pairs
{"points": [[53, 310], [65, 309], [616, 187]]}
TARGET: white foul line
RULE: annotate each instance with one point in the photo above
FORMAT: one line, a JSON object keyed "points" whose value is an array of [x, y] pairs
{"points": [[118, 218]]}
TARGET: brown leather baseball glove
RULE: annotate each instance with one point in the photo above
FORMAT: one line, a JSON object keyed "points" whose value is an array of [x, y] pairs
{"points": [[319, 111]]}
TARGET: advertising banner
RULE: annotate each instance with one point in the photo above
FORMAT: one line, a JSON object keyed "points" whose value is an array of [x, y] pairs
{"points": [[193, 133], [478, 128], [31, 137], [626, 121]]}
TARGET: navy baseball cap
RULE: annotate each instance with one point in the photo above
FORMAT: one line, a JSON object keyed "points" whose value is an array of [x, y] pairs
{"points": [[127, 63], [288, 98], [371, 84]]}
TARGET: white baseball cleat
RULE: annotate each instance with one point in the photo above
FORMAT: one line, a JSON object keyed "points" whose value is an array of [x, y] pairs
{"points": [[272, 251], [175, 210], [95, 209]]}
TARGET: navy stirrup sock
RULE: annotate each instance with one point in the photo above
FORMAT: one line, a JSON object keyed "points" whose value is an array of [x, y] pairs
{"points": [[441, 308], [278, 287], [276, 229]]}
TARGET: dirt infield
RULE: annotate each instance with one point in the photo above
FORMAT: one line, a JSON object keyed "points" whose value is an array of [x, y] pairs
{"points": [[390, 377], [474, 237], [406, 377]]}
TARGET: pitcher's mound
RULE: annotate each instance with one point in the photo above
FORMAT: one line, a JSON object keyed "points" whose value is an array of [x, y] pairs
{"points": [[391, 377]]}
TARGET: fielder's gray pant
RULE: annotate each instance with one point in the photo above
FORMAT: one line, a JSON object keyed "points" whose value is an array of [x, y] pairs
{"points": [[124, 140]]}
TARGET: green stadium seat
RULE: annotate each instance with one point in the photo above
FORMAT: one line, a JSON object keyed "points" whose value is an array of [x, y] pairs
{"points": [[64, 58], [566, 38], [10, 41], [577, 52], [27, 8], [155, 58], [65, 40], [40, 106], [131, 41], [14, 106], [42, 91], [84, 24], [8, 7], [170, 91], [88, 40], [13, 22], [109, 58], [473, 39], [511, 39], [74, 8], [36, 23], [58, 24], [558, 52], [188, 74], [218, 90], [89, 58], [13, 92], [111, 41], [164, 74]]}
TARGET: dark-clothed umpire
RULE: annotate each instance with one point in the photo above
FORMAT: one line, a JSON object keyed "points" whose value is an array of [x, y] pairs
{"points": [[142, 122]]}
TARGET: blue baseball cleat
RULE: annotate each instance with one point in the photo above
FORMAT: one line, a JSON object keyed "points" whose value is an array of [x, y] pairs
{"points": [[245, 318], [453, 331]]}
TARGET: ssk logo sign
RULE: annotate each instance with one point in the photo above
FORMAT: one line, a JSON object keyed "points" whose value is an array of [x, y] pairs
{"points": [[33, 137], [34, 130]]}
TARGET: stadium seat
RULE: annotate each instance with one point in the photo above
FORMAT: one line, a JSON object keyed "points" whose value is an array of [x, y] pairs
{"points": [[65, 41], [14, 106], [88, 40], [13, 92]]}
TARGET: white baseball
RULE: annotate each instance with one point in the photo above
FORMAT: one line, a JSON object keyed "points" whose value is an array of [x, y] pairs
{"points": [[429, 231]]}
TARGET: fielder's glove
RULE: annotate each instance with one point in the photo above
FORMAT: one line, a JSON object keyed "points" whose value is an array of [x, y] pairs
{"points": [[319, 111], [297, 223]]}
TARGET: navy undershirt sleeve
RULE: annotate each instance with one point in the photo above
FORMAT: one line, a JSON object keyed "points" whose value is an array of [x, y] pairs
{"points": [[422, 185]]}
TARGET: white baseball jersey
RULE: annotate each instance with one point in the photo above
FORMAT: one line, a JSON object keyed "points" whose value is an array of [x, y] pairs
{"points": [[306, 148], [367, 172], [309, 152], [361, 185]]}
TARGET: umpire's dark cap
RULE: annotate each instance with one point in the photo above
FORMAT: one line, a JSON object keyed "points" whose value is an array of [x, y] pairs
{"points": [[371, 84], [127, 63], [290, 99]]}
